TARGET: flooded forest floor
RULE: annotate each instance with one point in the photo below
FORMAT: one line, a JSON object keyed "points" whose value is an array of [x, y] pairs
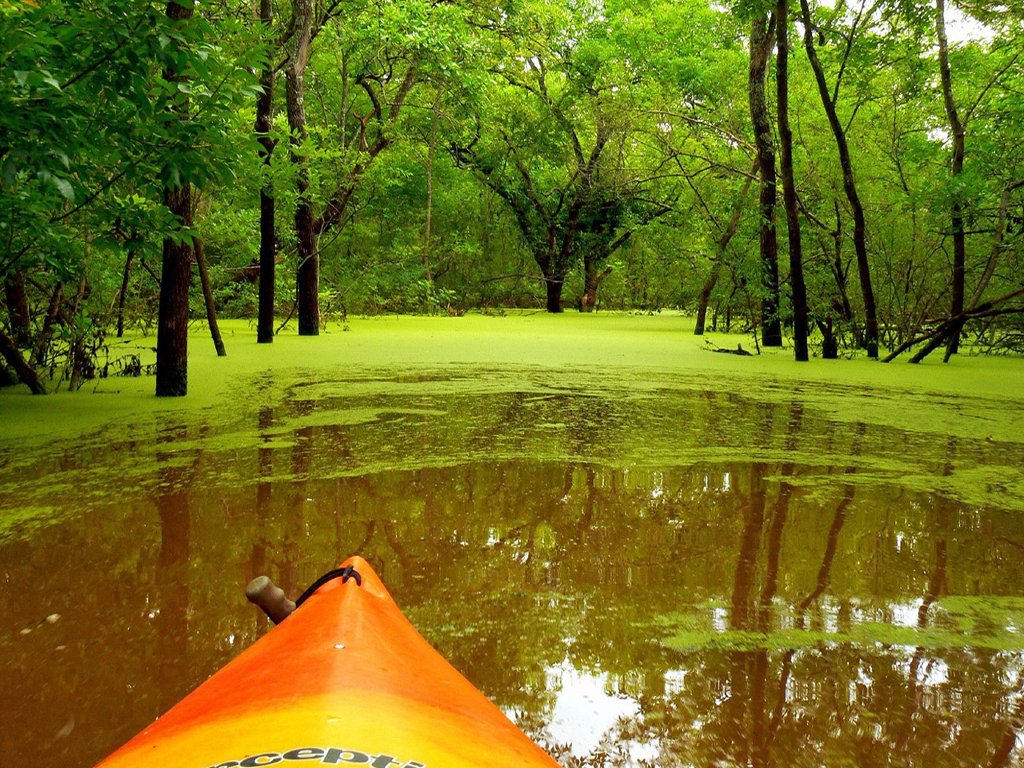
{"points": [[645, 552]]}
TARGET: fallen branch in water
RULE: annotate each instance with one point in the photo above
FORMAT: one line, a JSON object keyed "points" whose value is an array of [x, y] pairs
{"points": [[738, 351]]}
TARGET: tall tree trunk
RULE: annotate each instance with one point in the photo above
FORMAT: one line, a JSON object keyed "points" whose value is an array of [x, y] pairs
{"points": [[829, 339], [554, 290], [122, 297], [958, 134], [172, 325], [268, 235], [17, 308], [79, 364], [796, 259], [25, 372], [308, 274], [760, 50], [211, 311], [849, 186], [430, 187]]}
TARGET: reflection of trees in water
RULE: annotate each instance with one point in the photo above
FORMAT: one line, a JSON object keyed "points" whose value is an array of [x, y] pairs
{"points": [[173, 500], [828, 704], [547, 554], [264, 495], [512, 567]]}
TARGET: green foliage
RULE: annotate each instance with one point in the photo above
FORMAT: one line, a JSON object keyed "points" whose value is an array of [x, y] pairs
{"points": [[652, 96], [92, 136]]}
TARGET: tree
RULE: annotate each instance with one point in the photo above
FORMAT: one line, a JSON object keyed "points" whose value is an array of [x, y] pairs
{"points": [[957, 133], [172, 326], [581, 142], [308, 273], [796, 265], [268, 233], [828, 101], [761, 28], [104, 154]]}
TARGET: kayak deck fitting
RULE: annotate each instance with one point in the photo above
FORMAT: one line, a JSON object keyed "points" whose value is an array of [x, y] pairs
{"points": [[345, 680]]}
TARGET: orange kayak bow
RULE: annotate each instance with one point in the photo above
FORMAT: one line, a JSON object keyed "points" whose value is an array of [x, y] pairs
{"points": [[345, 680]]}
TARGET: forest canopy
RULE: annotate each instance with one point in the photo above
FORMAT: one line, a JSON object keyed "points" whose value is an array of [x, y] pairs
{"points": [[847, 174]]}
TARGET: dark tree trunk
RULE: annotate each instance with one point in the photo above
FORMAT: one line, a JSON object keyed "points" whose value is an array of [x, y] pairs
{"points": [[796, 259], [17, 308], [211, 311], [80, 367], [863, 268], [43, 340], [172, 329], [25, 372], [308, 273], [934, 343], [591, 283], [829, 345], [959, 136], [123, 295], [7, 379], [760, 50], [172, 325], [849, 186], [268, 269], [554, 286], [705, 298], [268, 236]]}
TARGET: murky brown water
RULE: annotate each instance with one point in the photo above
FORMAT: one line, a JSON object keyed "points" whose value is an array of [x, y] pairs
{"points": [[679, 579]]}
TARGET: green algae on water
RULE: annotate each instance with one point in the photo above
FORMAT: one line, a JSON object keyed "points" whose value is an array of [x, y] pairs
{"points": [[403, 393]]}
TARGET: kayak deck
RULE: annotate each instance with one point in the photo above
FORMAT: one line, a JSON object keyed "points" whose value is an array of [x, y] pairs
{"points": [[346, 679]]}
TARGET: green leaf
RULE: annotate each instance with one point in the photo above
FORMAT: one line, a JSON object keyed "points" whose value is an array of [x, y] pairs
{"points": [[50, 80], [65, 188]]}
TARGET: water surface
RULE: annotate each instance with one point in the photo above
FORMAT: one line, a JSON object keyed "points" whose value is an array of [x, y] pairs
{"points": [[658, 575]]}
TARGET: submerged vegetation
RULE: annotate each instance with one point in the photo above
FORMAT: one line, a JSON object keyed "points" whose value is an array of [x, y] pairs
{"points": [[300, 162]]}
